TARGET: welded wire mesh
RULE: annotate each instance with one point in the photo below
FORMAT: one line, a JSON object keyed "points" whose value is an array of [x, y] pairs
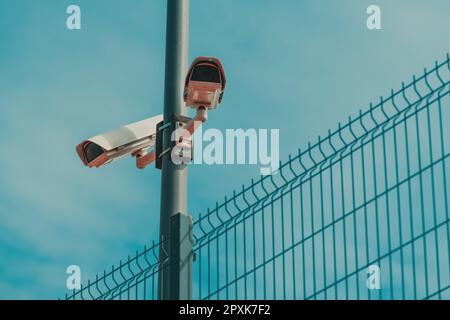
{"points": [[367, 201], [133, 279], [370, 195]]}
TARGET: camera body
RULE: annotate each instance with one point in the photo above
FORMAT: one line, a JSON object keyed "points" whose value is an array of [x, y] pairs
{"points": [[205, 83], [135, 139]]}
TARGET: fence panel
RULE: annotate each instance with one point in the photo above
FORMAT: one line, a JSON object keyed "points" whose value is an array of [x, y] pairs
{"points": [[133, 279]]}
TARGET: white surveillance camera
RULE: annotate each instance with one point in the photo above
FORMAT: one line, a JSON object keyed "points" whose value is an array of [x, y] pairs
{"points": [[135, 139]]}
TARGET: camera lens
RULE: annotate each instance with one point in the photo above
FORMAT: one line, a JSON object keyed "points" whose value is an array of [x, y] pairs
{"points": [[92, 151]]}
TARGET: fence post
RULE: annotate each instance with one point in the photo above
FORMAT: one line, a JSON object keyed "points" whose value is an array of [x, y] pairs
{"points": [[180, 257], [173, 281]]}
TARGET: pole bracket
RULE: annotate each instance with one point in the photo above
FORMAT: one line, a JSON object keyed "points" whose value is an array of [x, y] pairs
{"points": [[177, 123]]}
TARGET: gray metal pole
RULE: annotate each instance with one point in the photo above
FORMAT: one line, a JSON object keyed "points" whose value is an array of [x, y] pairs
{"points": [[175, 274]]}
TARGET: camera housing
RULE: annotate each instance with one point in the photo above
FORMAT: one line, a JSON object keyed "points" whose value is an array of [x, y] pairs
{"points": [[205, 83], [136, 139]]}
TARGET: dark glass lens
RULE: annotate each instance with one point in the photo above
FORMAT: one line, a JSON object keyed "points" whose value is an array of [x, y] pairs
{"points": [[92, 151], [206, 73]]}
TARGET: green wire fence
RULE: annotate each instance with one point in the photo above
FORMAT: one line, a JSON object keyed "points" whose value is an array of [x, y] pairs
{"points": [[362, 213]]}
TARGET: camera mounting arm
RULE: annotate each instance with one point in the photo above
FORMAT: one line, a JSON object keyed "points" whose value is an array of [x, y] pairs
{"points": [[197, 121], [144, 158]]}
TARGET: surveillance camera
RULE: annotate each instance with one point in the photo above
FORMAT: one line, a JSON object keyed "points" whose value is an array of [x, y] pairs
{"points": [[205, 83], [136, 139]]}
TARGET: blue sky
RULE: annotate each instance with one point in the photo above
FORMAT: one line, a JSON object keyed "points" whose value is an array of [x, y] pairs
{"points": [[298, 66]]}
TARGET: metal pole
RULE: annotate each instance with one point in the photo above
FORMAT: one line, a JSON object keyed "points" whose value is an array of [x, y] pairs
{"points": [[175, 273]]}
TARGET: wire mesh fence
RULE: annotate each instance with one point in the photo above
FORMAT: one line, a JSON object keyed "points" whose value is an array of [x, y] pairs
{"points": [[362, 213], [133, 279]]}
